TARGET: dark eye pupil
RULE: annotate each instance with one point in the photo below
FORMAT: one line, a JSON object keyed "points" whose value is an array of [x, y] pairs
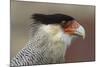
{"points": [[63, 24]]}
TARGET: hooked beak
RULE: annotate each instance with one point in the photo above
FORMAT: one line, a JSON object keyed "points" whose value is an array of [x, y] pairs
{"points": [[80, 32], [74, 28]]}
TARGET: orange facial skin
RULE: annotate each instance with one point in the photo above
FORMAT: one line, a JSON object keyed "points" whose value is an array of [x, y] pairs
{"points": [[71, 27]]}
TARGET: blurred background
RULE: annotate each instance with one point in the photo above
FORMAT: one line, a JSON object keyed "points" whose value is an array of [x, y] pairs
{"points": [[79, 51]]}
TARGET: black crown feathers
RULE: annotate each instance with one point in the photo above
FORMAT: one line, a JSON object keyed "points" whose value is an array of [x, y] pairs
{"points": [[52, 18]]}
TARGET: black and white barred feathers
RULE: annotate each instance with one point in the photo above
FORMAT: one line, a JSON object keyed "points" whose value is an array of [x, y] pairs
{"points": [[39, 50]]}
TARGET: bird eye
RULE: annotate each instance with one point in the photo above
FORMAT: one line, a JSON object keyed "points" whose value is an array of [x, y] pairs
{"points": [[66, 24], [63, 22]]}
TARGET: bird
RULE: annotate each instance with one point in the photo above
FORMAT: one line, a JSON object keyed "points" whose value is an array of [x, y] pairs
{"points": [[51, 35]]}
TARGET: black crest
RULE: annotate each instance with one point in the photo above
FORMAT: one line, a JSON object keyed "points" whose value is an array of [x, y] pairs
{"points": [[51, 19]]}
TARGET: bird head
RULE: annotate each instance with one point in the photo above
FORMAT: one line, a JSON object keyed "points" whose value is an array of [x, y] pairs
{"points": [[54, 22]]}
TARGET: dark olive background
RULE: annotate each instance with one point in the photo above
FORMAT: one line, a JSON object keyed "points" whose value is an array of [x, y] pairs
{"points": [[80, 50]]}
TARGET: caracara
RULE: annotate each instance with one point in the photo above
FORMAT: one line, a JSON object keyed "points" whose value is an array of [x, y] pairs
{"points": [[51, 35]]}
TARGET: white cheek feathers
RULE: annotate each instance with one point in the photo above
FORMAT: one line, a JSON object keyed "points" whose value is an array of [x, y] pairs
{"points": [[51, 28], [57, 34]]}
